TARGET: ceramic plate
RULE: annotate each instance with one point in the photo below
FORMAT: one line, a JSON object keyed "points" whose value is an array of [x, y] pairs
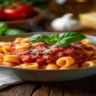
{"points": [[50, 75]]}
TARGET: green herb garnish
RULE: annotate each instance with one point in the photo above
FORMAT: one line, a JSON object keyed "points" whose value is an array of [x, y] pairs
{"points": [[39, 38], [62, 40]]}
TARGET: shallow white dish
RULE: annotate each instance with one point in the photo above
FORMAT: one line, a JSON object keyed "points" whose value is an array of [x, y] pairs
{"points": [[50, 75]]}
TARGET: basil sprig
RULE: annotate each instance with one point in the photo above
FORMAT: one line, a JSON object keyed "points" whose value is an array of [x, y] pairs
{"points": [[39, 38], [62, 40]]}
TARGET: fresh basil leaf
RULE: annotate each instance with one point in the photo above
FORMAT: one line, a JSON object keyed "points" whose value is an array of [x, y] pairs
{"points": [[62, 43], [54, 38], [39, 38], [71, 39], [68, 34], [63, 39], [61, 35]]}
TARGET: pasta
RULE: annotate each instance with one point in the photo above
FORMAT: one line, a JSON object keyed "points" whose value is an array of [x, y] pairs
{"points": [[1, 57], [23, 54], [12, 58], [70, 67], [51, 67], [89, 63], [28, 66], [8, 64], [31, 66], [6, 49], [22, 46], [85, 41], [65, 61]]}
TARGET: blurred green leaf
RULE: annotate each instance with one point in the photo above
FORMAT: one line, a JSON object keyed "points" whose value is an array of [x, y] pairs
{"points": [[3, 27], [14, 31], [5, 3]]}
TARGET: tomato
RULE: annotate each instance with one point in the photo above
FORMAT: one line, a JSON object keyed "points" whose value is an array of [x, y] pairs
{"points": [[26, 58], [18, 11], [40, 61], [1, 14]]}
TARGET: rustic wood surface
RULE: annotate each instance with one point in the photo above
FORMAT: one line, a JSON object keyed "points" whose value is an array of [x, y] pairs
{"points": [[81, 87]]}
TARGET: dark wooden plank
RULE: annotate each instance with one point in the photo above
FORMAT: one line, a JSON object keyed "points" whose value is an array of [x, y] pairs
{"points": [[57, 89], [78, 88], [44, 90], [83, 87], [24, 89], [93, 85]]}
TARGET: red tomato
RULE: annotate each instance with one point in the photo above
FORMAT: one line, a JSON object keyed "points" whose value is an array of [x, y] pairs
{"points": [[1, 14], [18, 11]]}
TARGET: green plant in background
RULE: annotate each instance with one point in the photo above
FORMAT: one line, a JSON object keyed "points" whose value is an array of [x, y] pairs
{"points": [[38, 3], [3, 27], [5, 30]]}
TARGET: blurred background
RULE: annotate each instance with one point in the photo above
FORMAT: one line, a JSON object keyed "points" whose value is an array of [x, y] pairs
{"points": [[25, 16]]}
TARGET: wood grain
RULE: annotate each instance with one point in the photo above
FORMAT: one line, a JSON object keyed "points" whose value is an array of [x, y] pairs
{"points": [[44, 90], [78, 88], [57, 89], [24, 89], [81, 87], [93, 86]]}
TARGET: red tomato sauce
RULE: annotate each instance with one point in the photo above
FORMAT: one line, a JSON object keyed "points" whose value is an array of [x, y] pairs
{"points": [[44, 54]]}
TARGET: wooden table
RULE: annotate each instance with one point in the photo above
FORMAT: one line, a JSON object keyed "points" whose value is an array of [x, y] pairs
{"points": [[81, 87]]}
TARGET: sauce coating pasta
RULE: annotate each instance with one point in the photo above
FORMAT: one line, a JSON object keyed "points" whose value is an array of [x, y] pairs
{"points": [[24, 54]]}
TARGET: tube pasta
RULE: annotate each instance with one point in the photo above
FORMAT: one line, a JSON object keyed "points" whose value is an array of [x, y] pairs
{"points": [[18, 40], [25, 40], [89, 52], [32, 66], [8, 64], [65, 61], [1, 57], [1, 51], [69, 67], [12, 59], [51, 67], [89, 64], [22, 46], [85, 41], [18, 66], [3, 44], [6, 49]]}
